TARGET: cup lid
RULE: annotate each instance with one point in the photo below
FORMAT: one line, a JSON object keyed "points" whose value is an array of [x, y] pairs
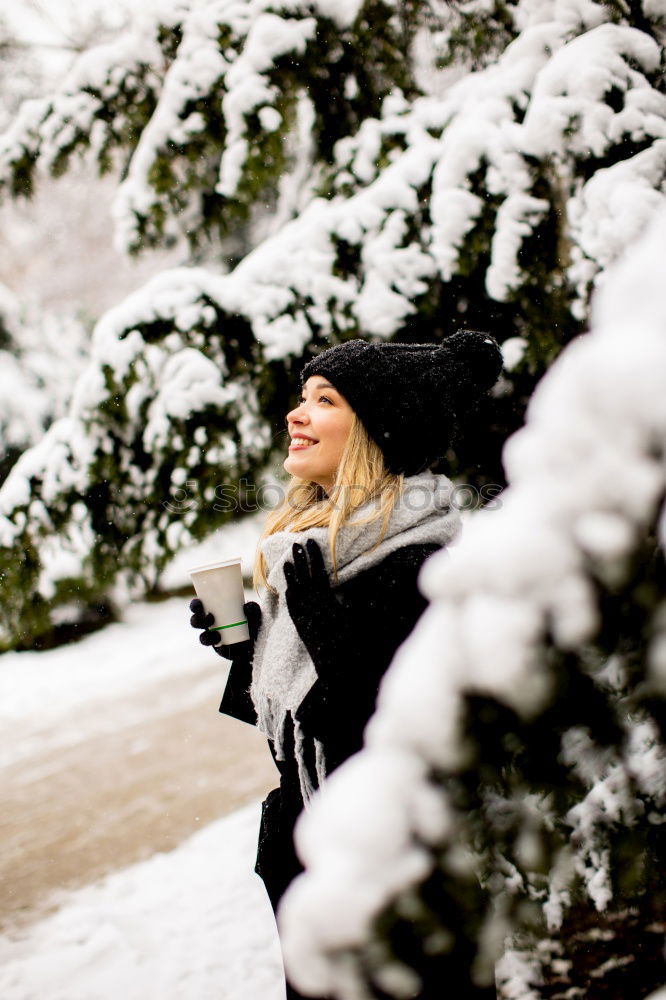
{"points": [[214, 565]]}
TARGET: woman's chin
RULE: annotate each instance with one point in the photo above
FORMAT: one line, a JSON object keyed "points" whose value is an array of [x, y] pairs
{"points": [[296, 468], [297, 460], [302, 469]]}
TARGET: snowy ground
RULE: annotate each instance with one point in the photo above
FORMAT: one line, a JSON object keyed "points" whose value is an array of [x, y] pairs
{"points": [[193, 924], [112, 752]]}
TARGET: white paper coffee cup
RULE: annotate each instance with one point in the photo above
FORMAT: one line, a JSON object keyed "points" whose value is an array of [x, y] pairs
{"points": [[219, 587]]}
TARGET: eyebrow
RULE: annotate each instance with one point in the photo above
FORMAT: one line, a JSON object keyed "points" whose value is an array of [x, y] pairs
{"points": [[321, 385]]}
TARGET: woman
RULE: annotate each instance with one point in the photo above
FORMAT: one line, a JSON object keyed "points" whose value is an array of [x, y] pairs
{"points": [[340, 560]]}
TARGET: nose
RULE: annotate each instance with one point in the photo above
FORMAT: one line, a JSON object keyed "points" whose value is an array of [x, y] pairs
{"points": [[297, 415]]}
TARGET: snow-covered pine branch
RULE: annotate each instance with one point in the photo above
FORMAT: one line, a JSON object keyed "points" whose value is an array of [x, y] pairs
{"points": [[516, 764], [203, 98], [155, 426], [103, 104]]}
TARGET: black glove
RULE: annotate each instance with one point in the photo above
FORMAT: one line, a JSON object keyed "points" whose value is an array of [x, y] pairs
{"points": [[209, 637], [320, 619]]}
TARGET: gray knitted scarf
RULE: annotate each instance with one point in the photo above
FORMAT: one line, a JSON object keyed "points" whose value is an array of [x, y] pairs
{"points": [[283, 672]]}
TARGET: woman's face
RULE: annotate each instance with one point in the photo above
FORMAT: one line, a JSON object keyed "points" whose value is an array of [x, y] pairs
{"points": [[318, 427]]}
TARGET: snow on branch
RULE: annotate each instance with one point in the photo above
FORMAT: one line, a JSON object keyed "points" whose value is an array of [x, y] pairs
{"points": [[514, 604], [596, 93], [155, 426], [203, 97], [104, 102], [205, 100], [609, 211]]}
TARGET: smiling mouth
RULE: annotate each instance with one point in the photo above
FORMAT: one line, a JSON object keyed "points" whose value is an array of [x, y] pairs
{"points": [[300, 443]]}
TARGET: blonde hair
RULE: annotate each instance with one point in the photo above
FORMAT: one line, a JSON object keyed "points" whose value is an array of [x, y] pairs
{"points": [[361, 476]]}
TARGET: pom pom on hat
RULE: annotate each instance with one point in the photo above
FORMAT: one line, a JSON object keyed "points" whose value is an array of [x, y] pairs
{"points": [[474, 360], [408, 395]]}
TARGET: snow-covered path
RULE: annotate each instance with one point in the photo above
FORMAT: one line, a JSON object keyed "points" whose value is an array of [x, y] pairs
{"points": [[74, 812], [126, 867], [193, 924], [111, 752]]}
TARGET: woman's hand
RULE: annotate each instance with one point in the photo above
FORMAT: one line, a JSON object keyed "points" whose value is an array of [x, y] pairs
{"points": [[315, 611], [210, 637]]}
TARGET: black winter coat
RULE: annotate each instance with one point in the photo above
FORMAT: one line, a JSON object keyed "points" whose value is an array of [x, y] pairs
{"points": [[384, 603]]}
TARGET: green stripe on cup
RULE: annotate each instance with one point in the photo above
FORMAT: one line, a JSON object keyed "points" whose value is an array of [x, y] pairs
{"points": [[218, 628]]}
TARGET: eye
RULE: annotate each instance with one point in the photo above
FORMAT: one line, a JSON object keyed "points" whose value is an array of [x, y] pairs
{"points": [[326, 398]]}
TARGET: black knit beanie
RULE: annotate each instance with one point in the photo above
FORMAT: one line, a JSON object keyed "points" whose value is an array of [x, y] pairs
{"points": [[408, 395]]}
